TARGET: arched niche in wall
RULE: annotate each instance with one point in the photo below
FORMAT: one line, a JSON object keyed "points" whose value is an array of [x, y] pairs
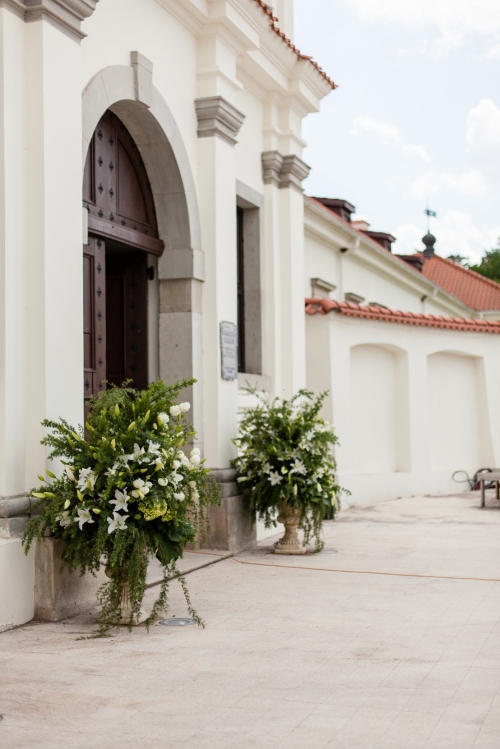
{"points": [[459, 431], [379, 435]]}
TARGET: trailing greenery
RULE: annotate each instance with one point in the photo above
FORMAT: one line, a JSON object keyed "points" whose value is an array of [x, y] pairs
{"points": [[285, 460], [127, 492]]}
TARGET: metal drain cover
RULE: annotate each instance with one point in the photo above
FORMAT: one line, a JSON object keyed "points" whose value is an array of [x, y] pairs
{"points": [[177, 622]]}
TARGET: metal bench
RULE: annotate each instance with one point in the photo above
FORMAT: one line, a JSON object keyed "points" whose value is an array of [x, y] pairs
{"points": [[485, 478]]}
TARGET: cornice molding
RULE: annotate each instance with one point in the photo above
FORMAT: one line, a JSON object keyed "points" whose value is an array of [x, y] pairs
{"points": [[217, 117], [283, 171], [67, 13]]}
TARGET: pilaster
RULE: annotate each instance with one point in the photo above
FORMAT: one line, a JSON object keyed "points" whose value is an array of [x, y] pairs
{"points": [[218, 126], [54, 288], [282, 176]]}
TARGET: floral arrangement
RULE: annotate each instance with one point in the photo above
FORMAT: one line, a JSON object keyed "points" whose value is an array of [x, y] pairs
{"points": [[285, 461], [127, 491]]}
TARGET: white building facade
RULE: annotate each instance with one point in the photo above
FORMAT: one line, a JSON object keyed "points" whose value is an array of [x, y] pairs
{"points": [[211, 96], [155, 146]]}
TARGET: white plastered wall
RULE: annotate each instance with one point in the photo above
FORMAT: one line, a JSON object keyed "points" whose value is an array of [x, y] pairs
{"points": [[443, 415]]}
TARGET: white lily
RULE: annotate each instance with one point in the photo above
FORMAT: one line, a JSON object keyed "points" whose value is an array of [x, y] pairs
{"points": [[117, 522], [275, 478], [86, 480], [120, 501], [70, 474], [139, 455], [154, 448], [299, 467], [64, 519], [84, 516], [176, 477]]}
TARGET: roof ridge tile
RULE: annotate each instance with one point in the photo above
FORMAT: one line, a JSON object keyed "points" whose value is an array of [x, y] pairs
{"points": [[274, 26], [350, 309]]}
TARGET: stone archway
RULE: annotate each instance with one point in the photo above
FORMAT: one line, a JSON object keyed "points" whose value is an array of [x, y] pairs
{"points": [[128, 91]]}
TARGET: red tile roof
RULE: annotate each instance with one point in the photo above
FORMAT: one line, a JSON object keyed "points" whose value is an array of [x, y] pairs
{"points": [[471, 288], [349, 309], [274, 26]]}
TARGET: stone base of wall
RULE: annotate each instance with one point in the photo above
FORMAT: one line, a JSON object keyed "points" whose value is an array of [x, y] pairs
{"points": [[231, 527], [58, 592], [14, 515]]}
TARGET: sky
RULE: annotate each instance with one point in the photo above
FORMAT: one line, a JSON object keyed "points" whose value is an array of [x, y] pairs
{"points": [[415, 119]]}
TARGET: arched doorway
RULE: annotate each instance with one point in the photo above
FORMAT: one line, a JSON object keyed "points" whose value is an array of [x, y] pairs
{"points": [[122, 232]]}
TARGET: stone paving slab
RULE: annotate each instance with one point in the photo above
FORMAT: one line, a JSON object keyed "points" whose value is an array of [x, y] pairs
{"points": [[315, 652]]}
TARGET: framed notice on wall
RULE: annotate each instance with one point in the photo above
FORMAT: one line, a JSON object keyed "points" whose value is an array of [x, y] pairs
{"points": [[229, 350]]}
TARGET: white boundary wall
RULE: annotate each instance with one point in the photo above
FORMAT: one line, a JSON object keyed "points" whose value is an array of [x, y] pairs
{"points": [[411, 405]]}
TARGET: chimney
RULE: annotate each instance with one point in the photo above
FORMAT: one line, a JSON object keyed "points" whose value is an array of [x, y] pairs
{"points": [[360, 225], [382, 238], [429, 240], [341, 207]]}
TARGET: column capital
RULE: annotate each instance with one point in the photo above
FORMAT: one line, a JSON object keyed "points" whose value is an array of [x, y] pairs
{"points": [[283, 171], [66, 13], [217, 117]]}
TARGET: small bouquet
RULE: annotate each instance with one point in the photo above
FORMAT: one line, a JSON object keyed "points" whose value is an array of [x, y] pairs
{"points": [[127, 492]]}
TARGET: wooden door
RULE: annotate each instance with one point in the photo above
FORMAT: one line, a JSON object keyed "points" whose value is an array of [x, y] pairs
{"points": [[127, 318], [121, 215], [94, 317]]}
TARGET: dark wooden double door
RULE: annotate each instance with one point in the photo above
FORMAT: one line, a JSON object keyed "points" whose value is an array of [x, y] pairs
{"points": [[115, 316], [122, 231]]}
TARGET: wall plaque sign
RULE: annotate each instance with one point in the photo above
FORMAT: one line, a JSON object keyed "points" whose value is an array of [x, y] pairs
{"points": [[229, 350]]}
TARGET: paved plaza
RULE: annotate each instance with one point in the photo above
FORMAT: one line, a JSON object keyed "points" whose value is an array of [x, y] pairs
{"points": [[390, 638]]}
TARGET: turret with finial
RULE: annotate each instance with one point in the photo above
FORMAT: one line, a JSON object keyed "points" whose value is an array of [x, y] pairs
{"points": [[429, 240]]}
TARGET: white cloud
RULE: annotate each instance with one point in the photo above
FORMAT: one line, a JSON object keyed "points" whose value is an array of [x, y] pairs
{"points": [[418, 151], [455, 233], [483, 136], [370, 124], [470, 182], [483, 126], [454, 19], [389, 132], [493, 53]]}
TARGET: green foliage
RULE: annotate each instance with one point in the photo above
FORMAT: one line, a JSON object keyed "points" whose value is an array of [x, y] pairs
{"points": [[458, 259], [127, 492], [285, 459], [489, 265]]}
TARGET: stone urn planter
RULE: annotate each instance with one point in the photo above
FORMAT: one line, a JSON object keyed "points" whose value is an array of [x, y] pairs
{"points": [[290, 543], [126, 611]]}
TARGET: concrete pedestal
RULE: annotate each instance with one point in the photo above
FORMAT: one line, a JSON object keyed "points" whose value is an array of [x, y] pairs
{"points": [[231, 526], [58, 592]]}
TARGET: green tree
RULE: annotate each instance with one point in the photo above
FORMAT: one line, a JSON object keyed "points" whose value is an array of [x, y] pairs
{"points": [[490, 264]]}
